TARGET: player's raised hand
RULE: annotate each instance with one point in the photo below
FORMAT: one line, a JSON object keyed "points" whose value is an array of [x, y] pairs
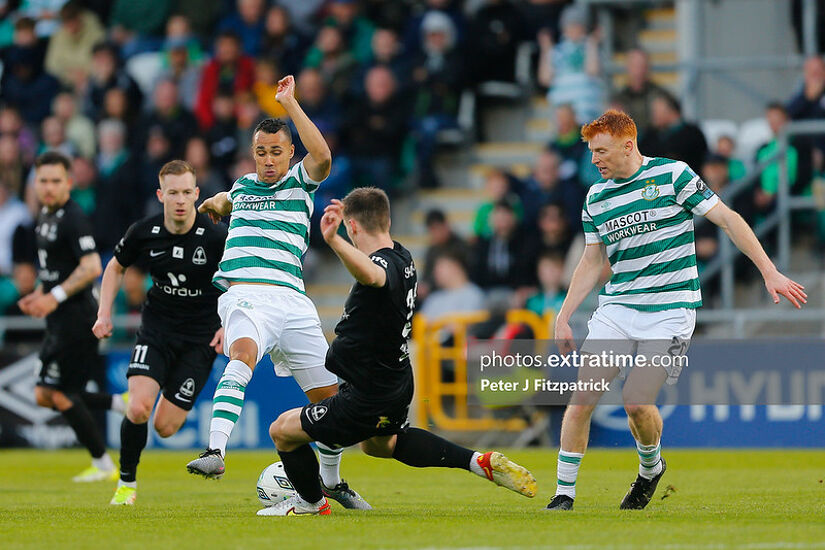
{"points": [[331, 220], [779, 285], [102, 327], [217, 341], [286, 89]]}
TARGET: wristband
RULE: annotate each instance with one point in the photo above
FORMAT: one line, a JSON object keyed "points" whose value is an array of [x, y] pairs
{"points": [[59, 294]]}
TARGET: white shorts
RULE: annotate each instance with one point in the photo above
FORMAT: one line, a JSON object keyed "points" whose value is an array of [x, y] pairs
{"points": [[284, 324], [641, 332]]}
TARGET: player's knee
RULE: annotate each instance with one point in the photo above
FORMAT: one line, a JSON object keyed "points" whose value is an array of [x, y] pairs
{"points": [[165, 428], [276, 430], [43, 397], [636, 411], [244, 355], [139, 411]]}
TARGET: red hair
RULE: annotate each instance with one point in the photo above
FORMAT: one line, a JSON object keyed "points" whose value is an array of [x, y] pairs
{"points": [[613, 122]]}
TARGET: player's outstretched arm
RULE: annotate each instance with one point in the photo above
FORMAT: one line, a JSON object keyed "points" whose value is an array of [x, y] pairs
{"points": [[585, 277], [356, 262], [742, 236], [112, 277], [216, 206], [319, 158]]}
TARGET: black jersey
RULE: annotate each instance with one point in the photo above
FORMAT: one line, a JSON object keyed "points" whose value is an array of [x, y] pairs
{"points": [[63, 237], [182, 299], [370, 350]]}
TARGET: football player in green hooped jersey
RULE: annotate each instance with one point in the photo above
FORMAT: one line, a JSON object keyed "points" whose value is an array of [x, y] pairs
{"points": [[639, 217], [265, 309]]}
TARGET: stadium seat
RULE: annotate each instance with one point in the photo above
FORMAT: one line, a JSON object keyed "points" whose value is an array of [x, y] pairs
{"points": [[753, 134], [145, 69], [715, 128]]}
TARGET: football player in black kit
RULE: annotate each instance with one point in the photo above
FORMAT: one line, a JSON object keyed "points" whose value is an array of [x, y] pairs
{"points": [[69, 264], [370, 354], [180, 332]]}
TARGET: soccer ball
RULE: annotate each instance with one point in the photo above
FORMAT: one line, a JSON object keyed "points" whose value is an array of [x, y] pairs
{"points": [[274, 486]]}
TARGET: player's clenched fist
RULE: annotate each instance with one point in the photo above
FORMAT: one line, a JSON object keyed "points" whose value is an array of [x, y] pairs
{"points": [[286, 89], [102, 327]]}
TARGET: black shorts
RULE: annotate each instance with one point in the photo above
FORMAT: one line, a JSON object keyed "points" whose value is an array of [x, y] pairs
{"points": [[67, 364], [344, 419], [180, 367]]}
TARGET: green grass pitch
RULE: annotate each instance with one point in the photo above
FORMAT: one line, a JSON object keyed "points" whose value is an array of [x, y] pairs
{"points": [[722, 499]]}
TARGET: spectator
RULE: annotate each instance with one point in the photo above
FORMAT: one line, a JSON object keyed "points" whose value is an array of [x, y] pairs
{"points": [[247, 23], [11, 168], [637, 96], [248, 115], [12, 214], [454, 293], [157, 152], [223, 135], [105, 75], [119, 201], [571, 68], [375, 131], [84, 184], [266, 86], [230, 71], [413, 35], [69, 54], [388, 52], [437, 80], [25, 85], [553, 235], [24, 44], [202, 16], [53, 135], [11, 124], [208, 179], [317, 103], [542, 15], [500, 260], [80, 131], [576, 165], [330, 56], [497, 187], [356, 30], [671, 136], [168, 114], [116, 106], [551, 294], [338, 184], [808, 104], [777, 118], [726, 147], [282, 43], [441, 240], [495, 32], [136, 26], [182, 61], [24, 277], [546, 185]]}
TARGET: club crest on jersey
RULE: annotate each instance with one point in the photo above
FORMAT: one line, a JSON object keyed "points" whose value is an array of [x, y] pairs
{"points": [[651, 191], [199, 257], [317, 412], [187, 389]]}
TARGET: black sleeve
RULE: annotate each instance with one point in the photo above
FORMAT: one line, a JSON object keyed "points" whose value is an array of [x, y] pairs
{"points": [[385, 261], [24, 245], [127, 250], [79, 235]]}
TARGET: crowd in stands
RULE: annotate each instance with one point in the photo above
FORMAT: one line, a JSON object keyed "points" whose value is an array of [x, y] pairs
{"points": [[123, 86]]}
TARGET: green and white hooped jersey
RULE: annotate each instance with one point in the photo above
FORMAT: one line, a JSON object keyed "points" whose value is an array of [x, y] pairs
{"points": [[646, 225], [268, 230]]}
